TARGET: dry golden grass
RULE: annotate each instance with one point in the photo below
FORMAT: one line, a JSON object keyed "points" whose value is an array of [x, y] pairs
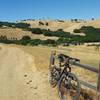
{"points": [[87, 55], [53, 25], [94, 23], [12, 33], [67, 26]]}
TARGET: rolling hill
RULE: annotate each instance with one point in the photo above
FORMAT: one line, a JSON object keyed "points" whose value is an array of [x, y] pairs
{"points": [[67, 26], [16, 33], [52, 25]]}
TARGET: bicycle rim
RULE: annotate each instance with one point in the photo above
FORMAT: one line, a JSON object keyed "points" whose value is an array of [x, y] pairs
{"points": [[62, 90]]}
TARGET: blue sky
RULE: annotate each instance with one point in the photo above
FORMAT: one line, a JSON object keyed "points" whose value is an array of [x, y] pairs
{"points": [[12, 10]]}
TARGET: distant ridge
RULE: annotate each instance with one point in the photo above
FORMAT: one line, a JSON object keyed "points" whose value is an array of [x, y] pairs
{"points": [[66, 25]]}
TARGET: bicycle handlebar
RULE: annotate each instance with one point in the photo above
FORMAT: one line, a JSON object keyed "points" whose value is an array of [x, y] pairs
{"points": [[62, 57]]}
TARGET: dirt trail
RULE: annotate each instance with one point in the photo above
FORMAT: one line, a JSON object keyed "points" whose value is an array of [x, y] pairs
{"points": [[19, 78]]}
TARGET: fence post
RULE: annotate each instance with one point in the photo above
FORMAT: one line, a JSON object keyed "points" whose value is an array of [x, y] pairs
{"points": [[52, 58], [98, 85]]}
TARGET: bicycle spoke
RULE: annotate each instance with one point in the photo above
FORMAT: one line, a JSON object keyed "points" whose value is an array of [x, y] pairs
{"points": [[69, 87]]}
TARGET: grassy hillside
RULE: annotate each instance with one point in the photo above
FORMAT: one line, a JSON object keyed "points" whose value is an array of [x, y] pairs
{"points": [[15, 31], [67, 26]]}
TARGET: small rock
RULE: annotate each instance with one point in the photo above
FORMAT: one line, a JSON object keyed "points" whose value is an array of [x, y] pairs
{"points": [[30, 81], [25, 75], [35, 87], [27, 83]]}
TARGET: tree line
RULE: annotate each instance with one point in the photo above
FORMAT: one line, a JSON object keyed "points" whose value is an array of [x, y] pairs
{"points": [[91, 35]]}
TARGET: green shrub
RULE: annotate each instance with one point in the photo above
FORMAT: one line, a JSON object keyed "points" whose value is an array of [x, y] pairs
{"points": [[49, 41], [22, 25], [1, 25], [47, 24], [23, 42], [41, 23], [76, 31], [36, 30], [16, 25], [26, 38], [60, 30], [35, 42]]}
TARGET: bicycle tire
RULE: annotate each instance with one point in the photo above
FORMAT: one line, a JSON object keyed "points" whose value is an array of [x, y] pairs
{"points": [[60, 82]]}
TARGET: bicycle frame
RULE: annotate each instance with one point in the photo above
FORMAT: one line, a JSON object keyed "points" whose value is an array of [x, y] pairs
{"points": [[66, 71]]}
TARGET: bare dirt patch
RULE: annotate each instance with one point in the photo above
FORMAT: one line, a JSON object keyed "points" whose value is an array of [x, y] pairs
{"points": [[19, 78]]}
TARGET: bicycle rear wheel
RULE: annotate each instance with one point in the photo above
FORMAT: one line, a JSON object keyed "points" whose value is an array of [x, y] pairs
{"points": [[69, 87]]}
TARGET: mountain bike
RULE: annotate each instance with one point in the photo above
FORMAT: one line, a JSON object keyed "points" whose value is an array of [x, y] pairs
{"points": [[62, 77]]}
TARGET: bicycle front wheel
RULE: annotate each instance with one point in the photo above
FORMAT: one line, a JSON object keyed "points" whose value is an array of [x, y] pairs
{"points": [[69, 87]]}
